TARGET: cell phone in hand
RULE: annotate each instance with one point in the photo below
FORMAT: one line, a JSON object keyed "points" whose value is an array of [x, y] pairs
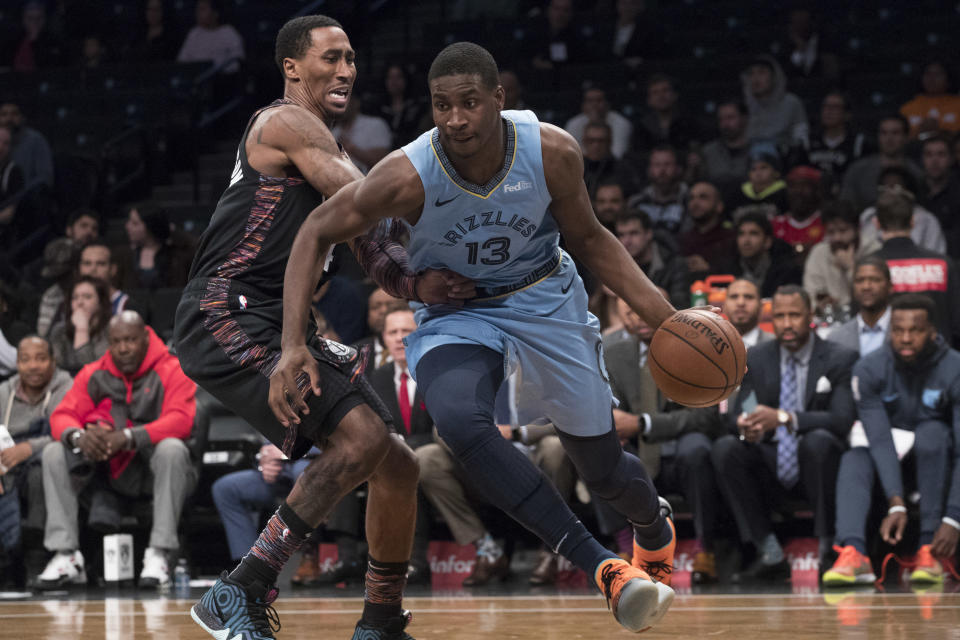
{"points": [[749, 404]]}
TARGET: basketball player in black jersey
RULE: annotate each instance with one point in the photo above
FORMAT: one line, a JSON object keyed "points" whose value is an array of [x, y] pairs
{"points": [[228, 334]]}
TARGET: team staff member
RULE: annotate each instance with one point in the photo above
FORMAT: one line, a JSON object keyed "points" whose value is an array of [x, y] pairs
{"points": [[912, 383]]}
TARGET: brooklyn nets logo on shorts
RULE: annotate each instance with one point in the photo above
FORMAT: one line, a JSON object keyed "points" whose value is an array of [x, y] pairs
{"points": [[338, 353]]}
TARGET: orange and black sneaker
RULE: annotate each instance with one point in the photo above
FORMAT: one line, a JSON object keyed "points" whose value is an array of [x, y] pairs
{"points": [[927, 569], [658, 563], [637, 602], [851, 567]]}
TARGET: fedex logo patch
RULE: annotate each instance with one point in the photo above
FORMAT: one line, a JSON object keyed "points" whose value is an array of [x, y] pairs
{"points": [[918, 274], [522, 185]]}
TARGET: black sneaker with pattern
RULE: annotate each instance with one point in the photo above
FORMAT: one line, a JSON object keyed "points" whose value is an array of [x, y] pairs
{"points": [[230, 610], [394, 630]]}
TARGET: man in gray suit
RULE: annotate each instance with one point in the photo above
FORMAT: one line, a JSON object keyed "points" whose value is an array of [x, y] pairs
{"points": [[872, 288], [674, 443], [793, 414]]}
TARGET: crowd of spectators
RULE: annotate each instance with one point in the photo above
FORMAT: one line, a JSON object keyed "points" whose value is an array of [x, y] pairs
{"points": [[834, 242]]}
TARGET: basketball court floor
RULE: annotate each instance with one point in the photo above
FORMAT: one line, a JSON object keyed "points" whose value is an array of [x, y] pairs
{"points": [[496, 613]]}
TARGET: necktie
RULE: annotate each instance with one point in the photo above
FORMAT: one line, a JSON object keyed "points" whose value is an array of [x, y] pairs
{"points": [[788, 467], [404, 401]]}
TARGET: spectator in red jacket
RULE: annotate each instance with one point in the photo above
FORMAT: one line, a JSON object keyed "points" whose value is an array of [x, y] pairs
{"points": [[119, 434]]}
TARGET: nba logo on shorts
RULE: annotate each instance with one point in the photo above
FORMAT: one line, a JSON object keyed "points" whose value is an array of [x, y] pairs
{"points": [[243, 302]]}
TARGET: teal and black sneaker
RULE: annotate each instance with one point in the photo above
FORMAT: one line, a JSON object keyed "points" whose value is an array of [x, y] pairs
{"points": [[228, 611], [393, 631]]}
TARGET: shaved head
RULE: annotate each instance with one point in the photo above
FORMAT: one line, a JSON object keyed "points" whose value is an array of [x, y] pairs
{"points": [[131, 318]]}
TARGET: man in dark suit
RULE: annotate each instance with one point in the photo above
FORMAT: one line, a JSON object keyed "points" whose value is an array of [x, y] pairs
{"points": [[674, 443], [872, 289], [396, 387], [793, 414]]}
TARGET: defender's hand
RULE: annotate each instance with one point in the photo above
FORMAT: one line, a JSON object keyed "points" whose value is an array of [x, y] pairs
{"points": [[285, 399], [442, 286]]}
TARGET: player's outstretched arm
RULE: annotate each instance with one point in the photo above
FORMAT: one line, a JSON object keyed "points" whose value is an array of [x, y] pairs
{"points": [[586, 238], [392, 189]]}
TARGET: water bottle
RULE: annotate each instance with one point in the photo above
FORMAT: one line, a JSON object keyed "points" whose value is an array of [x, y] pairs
{"points": [[181, 578], [698, 294]]}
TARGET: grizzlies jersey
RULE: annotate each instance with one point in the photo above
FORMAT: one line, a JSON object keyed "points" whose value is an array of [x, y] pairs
{"points": [[497, 233]]}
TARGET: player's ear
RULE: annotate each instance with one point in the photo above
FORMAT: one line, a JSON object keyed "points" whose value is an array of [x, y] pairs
{"points": [[290, 71], [500, 96]]}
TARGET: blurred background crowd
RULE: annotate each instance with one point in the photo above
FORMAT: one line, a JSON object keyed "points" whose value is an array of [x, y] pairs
{"points": [[758, 156]]}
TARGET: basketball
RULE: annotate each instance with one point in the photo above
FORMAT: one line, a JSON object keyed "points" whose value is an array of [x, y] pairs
{"points": [[697, 358]]}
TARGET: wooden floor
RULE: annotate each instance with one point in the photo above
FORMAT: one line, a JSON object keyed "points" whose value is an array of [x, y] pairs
{"points": [[755, 617]]}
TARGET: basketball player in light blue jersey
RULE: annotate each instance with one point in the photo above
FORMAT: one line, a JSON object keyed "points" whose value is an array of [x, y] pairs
{"points": [[486, 194]]}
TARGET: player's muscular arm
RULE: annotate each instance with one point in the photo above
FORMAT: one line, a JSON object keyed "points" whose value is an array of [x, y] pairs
{"points": [[290, 140], [593, 244], [391, 190], [291, 137]]}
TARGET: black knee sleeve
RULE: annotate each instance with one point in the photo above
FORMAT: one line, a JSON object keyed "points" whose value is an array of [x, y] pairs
{"points": [[614, 475]]}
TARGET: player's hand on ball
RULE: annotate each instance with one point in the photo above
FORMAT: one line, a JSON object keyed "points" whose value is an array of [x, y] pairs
{"points": [[442, 286], [709, 308], [892, 527], [286, 401]]}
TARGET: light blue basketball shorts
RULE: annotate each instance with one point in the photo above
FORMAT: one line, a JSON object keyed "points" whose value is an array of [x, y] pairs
{"points": [[546, 335]]}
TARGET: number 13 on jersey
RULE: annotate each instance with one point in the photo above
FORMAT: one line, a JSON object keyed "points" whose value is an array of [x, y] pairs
{"points": [[496, 251]]}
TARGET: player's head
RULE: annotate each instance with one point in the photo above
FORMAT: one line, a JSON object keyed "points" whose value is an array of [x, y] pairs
{"points": [[912, 327], [317, 62], [466, 98]]}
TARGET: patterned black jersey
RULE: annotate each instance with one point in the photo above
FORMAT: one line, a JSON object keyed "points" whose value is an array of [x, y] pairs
{"points": [[254, 225]]}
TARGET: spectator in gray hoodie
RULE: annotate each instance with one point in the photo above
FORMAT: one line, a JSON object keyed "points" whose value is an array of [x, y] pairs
{"points": [[26, 401], [775, 114]]}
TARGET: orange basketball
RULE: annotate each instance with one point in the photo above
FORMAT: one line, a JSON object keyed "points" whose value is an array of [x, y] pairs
{"points": [[697, 358]]}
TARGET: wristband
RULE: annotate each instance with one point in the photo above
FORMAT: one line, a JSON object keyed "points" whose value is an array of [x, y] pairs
{"points": [[953, 523], [130, 442], [896, 509]]}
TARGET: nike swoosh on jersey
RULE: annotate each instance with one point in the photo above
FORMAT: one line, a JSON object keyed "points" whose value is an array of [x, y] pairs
{"points": [[439, 203], [564, 290]]}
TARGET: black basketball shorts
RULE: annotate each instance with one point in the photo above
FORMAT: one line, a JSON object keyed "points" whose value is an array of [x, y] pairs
{"points": [[228, 341]]}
